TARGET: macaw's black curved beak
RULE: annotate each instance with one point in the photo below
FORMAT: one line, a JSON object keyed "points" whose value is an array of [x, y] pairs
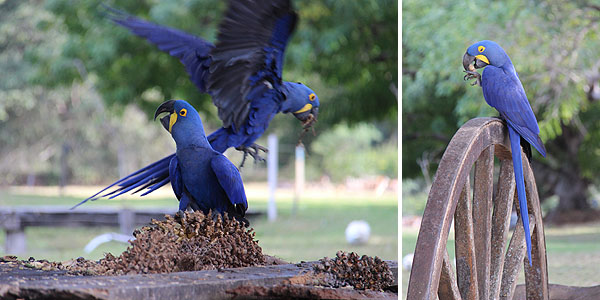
{"points": [[470, 63], [309, 117], [165, 107]]}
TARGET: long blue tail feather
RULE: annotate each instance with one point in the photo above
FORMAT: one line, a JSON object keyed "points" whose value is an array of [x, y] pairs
{"points": [[158, 173], [156, 186], [152, 174], [515, 145]]}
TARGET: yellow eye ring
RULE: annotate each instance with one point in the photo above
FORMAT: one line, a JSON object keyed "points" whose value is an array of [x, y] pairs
{"points": [[312, 97], [183, 112], [481, 48]]}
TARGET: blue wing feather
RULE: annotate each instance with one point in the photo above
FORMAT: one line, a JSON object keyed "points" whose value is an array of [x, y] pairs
{"points": [[230, 180], [192, 51], [505, 93], [175, 177], [249, 51]]}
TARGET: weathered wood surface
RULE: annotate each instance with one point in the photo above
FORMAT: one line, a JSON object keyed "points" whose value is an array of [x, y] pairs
{"points": [[462, 152], [501, 223], [213, 284], [564, 292], [465, 246], [483, 192], [483, 269]]}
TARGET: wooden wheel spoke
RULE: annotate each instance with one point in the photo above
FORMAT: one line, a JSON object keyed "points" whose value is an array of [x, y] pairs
{"points": [[514, 257], [501, 222], [483, 269], [448, 285], [482, 214], [465, 245], [536, 276]]}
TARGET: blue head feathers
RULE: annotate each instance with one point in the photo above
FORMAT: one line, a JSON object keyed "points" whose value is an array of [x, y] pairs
{"points": [[300, 101], [487, 53], [183, 122]]}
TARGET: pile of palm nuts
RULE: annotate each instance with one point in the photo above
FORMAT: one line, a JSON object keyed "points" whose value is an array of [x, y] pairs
{"points": [[360, 272], [189, 241]]}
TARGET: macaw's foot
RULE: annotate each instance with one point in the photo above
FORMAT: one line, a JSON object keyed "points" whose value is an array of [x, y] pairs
{"points": [[252, 150], [473, 75]]}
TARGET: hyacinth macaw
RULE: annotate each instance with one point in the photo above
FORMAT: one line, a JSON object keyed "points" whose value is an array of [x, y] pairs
{"points": [[242, 72], [503, 90], [202, 178]]}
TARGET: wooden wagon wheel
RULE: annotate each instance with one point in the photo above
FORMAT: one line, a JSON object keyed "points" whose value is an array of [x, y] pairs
{"points": [[484, 270]]}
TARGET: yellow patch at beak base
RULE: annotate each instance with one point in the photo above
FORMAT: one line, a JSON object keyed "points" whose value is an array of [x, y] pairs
{"points": [[172, 120], [483, 58], [306, 107]]}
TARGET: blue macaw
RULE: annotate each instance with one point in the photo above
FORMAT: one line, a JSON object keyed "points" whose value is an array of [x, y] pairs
{"points": [[202, 178], [503, 90], [242, 73]]}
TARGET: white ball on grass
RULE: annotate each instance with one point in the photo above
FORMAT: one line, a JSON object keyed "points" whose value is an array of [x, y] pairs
{"points": [[407, 261], [358, 232]]}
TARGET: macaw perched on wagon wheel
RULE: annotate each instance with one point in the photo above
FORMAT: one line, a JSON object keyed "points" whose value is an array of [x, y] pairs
{"points": [[242, 72], [503, 90]]}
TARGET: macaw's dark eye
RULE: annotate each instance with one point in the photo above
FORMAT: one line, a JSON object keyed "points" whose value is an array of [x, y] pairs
{"points": [[183, 112], [312, 97], [481, 48]]}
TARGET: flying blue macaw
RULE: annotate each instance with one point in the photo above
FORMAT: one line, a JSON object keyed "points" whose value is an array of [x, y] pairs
{"points": [[202, 178], [242, 72], [503, 90]]}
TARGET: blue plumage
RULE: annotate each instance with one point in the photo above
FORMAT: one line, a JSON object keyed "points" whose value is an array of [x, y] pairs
{"points": [[202, 178], [242, 72], [503, 90]]}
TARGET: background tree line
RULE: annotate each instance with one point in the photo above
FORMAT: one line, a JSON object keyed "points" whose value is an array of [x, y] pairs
{"points": [[78, 92], [553, 45]]}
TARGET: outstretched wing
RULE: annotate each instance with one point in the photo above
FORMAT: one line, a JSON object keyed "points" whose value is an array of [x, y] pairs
{"points": [[152, 176], [248, 55], [230, 180], [506, 94], [193, 52]]}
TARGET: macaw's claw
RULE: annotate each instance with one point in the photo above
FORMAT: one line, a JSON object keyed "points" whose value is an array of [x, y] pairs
{"points": [[252, 150], [473, 75]]}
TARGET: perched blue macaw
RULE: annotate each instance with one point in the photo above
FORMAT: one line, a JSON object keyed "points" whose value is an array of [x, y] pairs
{"points": [[503, 90], [202, 178], [242, 73]]}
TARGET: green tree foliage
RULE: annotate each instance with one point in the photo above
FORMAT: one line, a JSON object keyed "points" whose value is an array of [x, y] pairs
{"points": [[351, 45], [128, 69], [354, 46], [553, 45], [357, 151], [77, 91], [49, 134]]}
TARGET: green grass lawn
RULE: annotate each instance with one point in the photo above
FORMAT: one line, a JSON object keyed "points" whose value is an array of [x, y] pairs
{"points": [[573, 254], [315, 231]]}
